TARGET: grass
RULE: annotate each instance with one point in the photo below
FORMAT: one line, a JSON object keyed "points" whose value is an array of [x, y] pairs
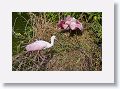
{"points": [[72, 53]]}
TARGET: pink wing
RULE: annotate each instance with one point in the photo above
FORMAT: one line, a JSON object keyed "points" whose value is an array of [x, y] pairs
{"points": [[72, 25], [60, 24], [68, 22], [65, 26], [37, 45], [79, 26]]}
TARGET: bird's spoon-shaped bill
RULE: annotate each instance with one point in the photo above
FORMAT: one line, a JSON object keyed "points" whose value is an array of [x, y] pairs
{"points": [[58, 41]]}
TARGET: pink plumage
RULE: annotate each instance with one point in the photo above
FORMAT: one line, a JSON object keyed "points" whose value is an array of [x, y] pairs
{"points": [[65, 26], [61, 23], [37, 45], [40, 44], [70, 23]]}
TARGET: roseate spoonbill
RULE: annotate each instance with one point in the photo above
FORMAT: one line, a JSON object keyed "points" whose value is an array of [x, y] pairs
{"points": [[70, 23], [76, 25], [63, 25], [40, 45]]}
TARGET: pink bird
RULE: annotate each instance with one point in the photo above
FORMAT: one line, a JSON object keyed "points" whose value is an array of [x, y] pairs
{"points": [[40, 44], [70, 23], [61, 24], [76, 25]]}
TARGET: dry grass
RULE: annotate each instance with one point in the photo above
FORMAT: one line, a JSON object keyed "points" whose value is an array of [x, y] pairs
{"points": [[71, 53]]}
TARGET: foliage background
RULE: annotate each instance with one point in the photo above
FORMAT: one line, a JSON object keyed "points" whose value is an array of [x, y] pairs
{"points": [[79, 52]]}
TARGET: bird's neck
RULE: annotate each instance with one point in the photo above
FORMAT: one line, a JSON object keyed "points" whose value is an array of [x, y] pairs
{"points": [[52, 42]]}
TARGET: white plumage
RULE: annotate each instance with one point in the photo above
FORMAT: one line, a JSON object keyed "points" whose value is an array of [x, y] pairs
{"points": [[40, 44]]}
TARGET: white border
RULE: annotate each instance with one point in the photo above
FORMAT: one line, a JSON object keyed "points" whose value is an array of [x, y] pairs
{"points": [[104, 76]]}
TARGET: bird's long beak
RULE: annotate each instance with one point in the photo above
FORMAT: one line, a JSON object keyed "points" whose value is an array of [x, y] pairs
{"points": [[56, 39], [58, 42]]}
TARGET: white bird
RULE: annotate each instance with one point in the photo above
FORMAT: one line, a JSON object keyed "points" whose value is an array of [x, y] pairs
{"points": [[40, 44]]}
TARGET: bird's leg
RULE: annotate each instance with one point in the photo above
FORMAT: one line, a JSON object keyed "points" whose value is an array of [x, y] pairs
{"points": [[30, 53], [36, 55], [70, 31], [43, 59], [76, 32], [41, 56]]}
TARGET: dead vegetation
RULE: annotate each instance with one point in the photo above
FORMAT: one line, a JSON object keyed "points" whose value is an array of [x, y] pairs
{"points": [[71, 53]]}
